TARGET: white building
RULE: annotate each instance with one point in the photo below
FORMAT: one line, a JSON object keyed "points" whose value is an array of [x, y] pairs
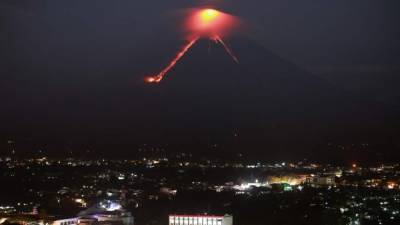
{"points": [[70, 221], [200, 220]]}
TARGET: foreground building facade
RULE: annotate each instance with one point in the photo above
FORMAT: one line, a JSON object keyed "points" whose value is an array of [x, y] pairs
{"points": [[200, 220]]}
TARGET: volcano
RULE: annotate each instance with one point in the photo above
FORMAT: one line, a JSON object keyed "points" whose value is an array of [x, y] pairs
{"points": [[263, 105], [262, 102]]}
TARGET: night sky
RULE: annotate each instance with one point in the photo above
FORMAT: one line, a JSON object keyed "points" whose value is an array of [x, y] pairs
{"points": [[313, 76]]}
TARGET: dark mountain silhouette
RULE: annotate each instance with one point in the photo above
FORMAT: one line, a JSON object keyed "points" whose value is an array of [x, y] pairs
{"points": [[264, 102], [264, 105]]}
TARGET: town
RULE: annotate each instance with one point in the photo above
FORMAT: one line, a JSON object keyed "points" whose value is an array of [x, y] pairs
{"points": [[151, 190]]}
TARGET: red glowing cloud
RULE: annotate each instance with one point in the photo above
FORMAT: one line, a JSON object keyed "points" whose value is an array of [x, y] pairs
{"points": [[209, 23]]}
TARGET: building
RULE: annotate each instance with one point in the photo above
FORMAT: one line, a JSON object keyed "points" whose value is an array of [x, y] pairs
{"points": [[200, 220], [248, 186], [70, 221], [322, 180], [106, 212], [287, 179]]}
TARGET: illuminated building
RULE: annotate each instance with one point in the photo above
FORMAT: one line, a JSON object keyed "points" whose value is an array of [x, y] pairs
{"points": [[321, 180], [69, 221], [200, 220], [289, 179], [105, 213], [391, 185], [247, 186]]}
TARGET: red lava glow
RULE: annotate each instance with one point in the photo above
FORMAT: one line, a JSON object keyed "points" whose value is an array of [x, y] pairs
{"points": [[157, 78], [201, 23], [227, 49], [209, 23]]}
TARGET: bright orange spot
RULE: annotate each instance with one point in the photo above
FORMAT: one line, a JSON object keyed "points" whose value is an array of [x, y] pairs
{"points": [[208, 15], [207, 22], [153, 79], [391, 185]]}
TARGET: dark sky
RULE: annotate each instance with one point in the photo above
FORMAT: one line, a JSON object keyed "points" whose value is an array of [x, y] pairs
{"points": [[70, 74]]}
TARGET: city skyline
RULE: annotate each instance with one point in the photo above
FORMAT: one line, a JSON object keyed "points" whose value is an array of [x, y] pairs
{"points": [[199, 112]]}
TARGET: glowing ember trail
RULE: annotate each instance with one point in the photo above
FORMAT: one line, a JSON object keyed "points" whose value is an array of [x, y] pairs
{"points": [[227, 49], [201, 23], [157, 78]]}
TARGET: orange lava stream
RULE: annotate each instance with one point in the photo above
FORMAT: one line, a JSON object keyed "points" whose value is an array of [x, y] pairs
{"points": [[227, 49], [157, 78]]}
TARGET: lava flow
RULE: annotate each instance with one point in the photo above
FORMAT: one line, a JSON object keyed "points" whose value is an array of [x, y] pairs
{"points": [[201, 23], [180, 54], [227, 49]]}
